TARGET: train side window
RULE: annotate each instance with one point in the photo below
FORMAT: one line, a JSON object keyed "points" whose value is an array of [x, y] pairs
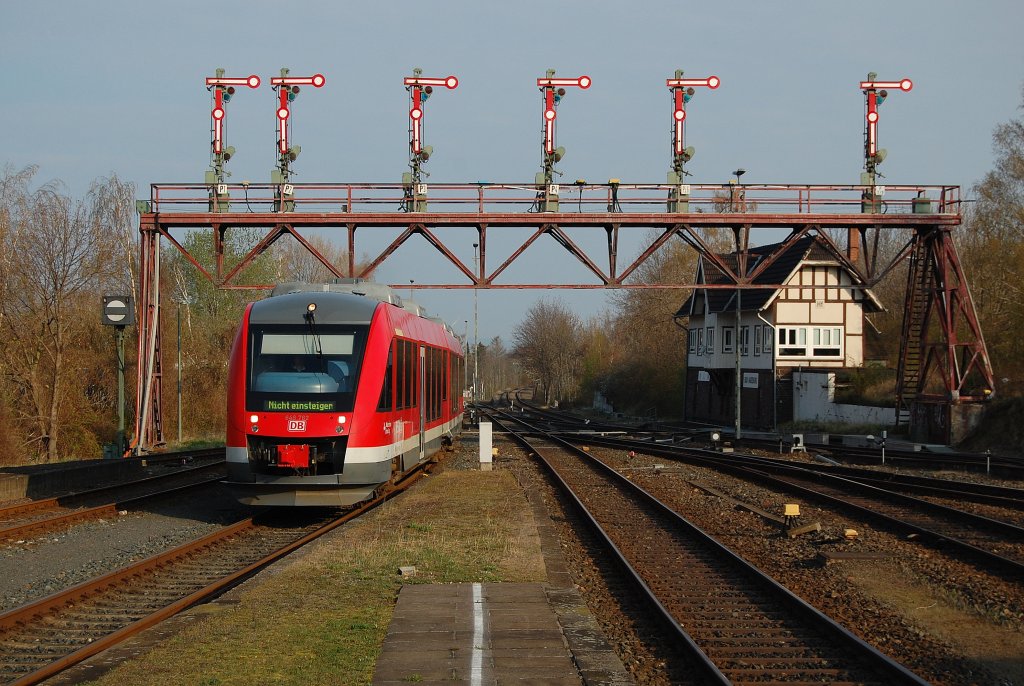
{"points": [[400, 378], [386, 399], [411, 353]]}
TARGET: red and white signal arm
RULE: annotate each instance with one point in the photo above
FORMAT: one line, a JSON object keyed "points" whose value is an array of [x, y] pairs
{"points": [[219, 85], [118, 310], [871, 89], [416, 86], [679, 89], [289, 83], [903, 84], [548, 84], [579, 82]]}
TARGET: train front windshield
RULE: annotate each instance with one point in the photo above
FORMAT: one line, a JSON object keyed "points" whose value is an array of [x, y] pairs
{"points": [[292, 369]]}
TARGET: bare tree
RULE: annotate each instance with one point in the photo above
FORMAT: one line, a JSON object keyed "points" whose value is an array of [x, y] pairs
{"points": [[548, 344], [60, 253], [296, 263], [992, 248]]}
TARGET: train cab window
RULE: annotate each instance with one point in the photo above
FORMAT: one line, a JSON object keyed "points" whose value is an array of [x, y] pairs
{"points": [[293, 369]]}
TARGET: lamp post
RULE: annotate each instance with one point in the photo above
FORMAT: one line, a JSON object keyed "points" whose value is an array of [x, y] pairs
{"points": [[739, 312], [476, 323]]}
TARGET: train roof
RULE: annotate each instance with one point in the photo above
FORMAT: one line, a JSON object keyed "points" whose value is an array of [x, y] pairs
{"points": [[347, 301], [370, 289], [331, 308]]}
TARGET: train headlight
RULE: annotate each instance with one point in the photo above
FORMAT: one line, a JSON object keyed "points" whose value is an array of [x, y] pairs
{"points": [[254, 418], [341, 419], [340, 428]]}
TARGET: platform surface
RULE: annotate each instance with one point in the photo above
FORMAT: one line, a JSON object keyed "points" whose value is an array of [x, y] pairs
{"points": [[487, 634]]}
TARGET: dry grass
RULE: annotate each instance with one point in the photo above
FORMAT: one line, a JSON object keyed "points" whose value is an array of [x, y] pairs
{"points": [[323, 619]]}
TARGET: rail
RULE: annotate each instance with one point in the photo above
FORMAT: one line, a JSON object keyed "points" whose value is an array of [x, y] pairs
{"points": [[728, 616]]}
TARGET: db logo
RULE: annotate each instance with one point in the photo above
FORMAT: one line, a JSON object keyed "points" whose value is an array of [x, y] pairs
{"points": [[296, 425]]}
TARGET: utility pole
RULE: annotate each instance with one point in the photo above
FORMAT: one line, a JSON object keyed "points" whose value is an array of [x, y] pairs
{"points": [[476, 332], [741, 270]]}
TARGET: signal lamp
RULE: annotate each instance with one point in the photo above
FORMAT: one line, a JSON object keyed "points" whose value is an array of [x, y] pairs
{"points": [[882, 95], [428, 90], [229, 152], [880, 155], [561, 91], [231, 90], [559, 153], [688, 153], [295, 90], [293, 152], [688, 93], [426, 152]]}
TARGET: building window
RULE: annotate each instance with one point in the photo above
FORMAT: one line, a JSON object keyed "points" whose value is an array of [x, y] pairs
{"points": [[757, 340], [768, 338], [709, 340], [700, 341], [727, 336], [744, 340], [810, 342], [691, 336], [827, 342]]}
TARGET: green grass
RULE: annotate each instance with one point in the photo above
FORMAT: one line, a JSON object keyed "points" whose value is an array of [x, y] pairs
{"points": [[323, 619]]}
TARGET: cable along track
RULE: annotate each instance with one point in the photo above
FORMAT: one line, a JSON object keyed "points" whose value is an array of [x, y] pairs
{"points": [[736, 622]]}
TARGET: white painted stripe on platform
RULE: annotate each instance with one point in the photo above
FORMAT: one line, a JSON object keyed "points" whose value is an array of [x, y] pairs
{"points": [[476, 673]]}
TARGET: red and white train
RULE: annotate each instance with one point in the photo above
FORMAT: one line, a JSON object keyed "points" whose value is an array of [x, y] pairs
{"points": [[334, 390]]}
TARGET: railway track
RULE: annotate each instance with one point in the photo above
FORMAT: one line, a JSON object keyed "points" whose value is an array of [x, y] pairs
{"points": [[41, 516], [737, 625], [42, 638], [996, 465], [996, 545]]}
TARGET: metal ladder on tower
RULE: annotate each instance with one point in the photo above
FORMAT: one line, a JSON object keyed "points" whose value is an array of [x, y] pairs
{"points": [[920, 283]]}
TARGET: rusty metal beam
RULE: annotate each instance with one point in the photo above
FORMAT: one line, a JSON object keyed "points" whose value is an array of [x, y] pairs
{"points": [[354, 207]]}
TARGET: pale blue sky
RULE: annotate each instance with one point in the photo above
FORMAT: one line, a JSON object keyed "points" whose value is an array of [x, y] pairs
{"points": [[93, 88]]}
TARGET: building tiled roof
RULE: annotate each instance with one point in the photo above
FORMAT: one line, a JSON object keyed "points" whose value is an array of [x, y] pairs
{"points": [[809, 248]]}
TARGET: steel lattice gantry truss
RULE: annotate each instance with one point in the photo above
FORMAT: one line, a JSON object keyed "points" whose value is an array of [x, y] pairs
{"points": [[943, 359]]}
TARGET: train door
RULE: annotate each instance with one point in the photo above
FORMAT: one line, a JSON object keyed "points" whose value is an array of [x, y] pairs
{"points": [[423, 401]]}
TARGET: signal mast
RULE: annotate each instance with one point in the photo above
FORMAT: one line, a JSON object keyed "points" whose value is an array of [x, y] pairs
{"points": [[287, 88], [874, 95], [222, 88], [553, 90], [420, 88], [682, 91]]}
